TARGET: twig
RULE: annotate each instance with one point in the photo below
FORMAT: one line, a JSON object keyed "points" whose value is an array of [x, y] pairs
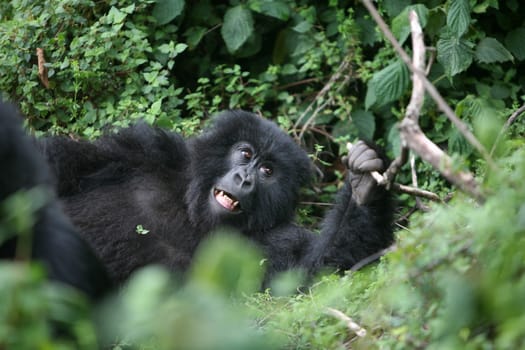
{"points": [[42, 69], [419, 203], [371, 258], [328, 86], [351, 324], [505, 126], [429, 87]]}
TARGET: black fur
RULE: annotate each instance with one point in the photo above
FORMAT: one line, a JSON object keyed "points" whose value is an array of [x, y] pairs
{"points": [[150, 177], [66, 256]]}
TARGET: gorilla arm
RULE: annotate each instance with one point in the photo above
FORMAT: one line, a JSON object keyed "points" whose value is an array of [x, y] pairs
{"points": [[358, 226]]}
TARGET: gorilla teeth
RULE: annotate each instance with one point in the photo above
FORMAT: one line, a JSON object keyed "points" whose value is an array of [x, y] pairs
{"points": [[226, 200]]}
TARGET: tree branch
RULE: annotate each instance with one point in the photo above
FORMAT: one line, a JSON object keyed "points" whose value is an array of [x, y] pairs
{"points": [[42, 69], [411, 135], [429, 87], [354, 327]]}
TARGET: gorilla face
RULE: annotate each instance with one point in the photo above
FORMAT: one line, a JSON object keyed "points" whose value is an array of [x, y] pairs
{"points": [[249, 174], [246, 173]]}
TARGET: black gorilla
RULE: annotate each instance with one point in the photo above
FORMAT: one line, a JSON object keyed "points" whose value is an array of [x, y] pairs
{"points": [[243, 172], [54, 241]]}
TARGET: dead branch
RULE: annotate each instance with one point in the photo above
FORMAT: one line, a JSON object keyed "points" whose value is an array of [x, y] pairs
{"points": [[371, 258], [320, 95], [411, 135], [429, 87], [351, 324], [417, 141], [42, 69], [419, 203]]}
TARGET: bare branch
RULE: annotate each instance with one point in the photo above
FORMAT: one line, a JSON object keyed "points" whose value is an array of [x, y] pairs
{"points": [[432, 91], [411, 135], [321, 94], [354, 327], [418, 60], [42, 69], [371, 258], [429, 152]]}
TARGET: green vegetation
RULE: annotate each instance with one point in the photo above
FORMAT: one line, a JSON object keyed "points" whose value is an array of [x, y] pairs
{"points": [[457, 277]]}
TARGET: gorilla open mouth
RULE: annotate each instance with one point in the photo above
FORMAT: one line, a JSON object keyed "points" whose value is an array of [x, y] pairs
{"points": [[226, 200]]}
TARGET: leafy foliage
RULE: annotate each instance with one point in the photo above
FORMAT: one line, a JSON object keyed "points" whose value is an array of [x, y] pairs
{"points": [[456, 279]]}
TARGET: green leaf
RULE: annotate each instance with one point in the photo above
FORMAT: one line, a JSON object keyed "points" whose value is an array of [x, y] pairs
{"points": [[490, 50], [271, 8], [365, 123], [116, 16], [390, 83], [165, 11], [454, 53], [194, 35], [394, 140], [401, 25], [514, 41], [302, 27], [228, 264], [237, 27], [458, 16]]}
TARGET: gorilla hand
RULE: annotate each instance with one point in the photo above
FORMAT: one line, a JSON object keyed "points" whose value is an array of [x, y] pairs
{"points": [[361, 161]]}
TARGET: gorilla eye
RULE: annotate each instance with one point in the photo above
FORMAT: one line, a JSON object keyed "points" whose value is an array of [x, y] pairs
{"points": [[266, 170], [246, 153]]}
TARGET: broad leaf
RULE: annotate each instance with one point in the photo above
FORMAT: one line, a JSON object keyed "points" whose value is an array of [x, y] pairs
{"points": [[514, 41], [165, 11], [194, 36], [237, 27], [489, 50], [458, 16], [272, 8], [454, 53], [401, 25], [365, 123], [390, 83]]}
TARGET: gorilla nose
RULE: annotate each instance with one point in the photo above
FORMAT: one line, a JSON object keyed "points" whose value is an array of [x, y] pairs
{"points": [[244, 181]]}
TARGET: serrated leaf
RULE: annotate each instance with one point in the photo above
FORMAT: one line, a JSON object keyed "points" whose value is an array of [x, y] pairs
{"points": [[514, 41], [390, 83], [237, 27], [454, 53], [365, 123], [165, 11], [401, 25], [458, 16], [490, 50]]}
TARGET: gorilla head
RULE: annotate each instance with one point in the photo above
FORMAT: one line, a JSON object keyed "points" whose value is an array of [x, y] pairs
{"points": [[248, 174]]}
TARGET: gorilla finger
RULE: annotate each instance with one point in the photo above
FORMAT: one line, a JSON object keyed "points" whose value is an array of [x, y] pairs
{"points": [[364, 156], [356, 151], [371, 165]]}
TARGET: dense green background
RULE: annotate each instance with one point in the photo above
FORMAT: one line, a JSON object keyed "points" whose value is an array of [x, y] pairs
{"points": [[456, 279]]}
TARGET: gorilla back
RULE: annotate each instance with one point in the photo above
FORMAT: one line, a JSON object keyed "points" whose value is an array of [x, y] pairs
{"points": [[242, 172], [54, 242]]}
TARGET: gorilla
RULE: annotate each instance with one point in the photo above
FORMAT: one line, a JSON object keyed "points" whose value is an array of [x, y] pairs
{"points": [[145, 196], [54, 242]]}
